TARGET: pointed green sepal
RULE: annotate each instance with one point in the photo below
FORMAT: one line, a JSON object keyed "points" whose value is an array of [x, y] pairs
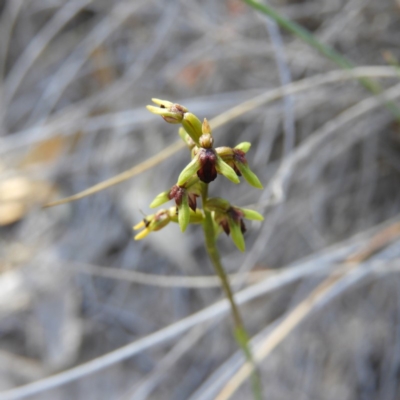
{"points": [[184, 214], [251, 214], [141, 235], [249, 175], [237, 235], [160, 199], [192, 126], [224, 169], [244, 146], [189, 171]]}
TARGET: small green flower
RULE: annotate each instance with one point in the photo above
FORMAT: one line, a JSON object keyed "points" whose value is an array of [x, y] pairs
{"points": [[206, 163], [230, 219], [236, 159], [185, 197], [162, 218]]}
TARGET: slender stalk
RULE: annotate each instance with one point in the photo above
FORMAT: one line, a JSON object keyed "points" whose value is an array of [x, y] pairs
{"points": [[241, 335], [215, 259]]}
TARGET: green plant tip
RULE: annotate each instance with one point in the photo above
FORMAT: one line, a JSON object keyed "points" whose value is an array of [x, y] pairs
{"points": [[244, 146]]}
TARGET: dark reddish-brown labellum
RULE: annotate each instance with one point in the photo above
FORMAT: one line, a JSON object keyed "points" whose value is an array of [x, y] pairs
{"points": [[176, 193], [237, 216], [208, 159], [240, 156], [192, 200], [225, 226]]}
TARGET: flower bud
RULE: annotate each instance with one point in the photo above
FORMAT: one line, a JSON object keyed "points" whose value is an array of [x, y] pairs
{"points": [[206, 128], [206, 141], [170, 112], [192, 126]]}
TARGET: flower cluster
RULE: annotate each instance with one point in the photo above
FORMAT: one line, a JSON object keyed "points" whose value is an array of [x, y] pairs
{"points": [[206, 164]]}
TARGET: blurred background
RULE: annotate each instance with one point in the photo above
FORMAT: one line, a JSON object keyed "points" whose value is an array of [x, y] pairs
{"points": [[74, 286]]}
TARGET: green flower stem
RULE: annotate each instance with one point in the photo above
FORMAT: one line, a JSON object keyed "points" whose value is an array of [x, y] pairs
{"points": [[327, 51], [213, 253], [240, 333]]}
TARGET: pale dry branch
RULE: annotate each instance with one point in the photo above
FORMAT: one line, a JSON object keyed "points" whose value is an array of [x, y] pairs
{"points": [[236, 112]]}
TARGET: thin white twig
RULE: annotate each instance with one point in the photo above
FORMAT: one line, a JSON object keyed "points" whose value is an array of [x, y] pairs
{"points": [[67, 124], [323, 261], [38, 44]]}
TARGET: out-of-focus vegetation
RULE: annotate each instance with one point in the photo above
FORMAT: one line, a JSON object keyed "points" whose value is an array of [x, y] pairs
{"points": [[74, 286]]}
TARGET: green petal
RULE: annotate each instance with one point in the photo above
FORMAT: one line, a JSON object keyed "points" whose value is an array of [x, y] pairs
{"points": [[184, 214], [160, 199], [251, 214], [244, 146], [188, 171], [249, 175], [141, 235], [237, 235], [224, 169], [192, 126]]}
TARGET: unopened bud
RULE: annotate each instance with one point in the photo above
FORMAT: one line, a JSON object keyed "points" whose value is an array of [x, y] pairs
{"points": [[170, 112], [192, 126], [206, 128], [206, 141]]}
